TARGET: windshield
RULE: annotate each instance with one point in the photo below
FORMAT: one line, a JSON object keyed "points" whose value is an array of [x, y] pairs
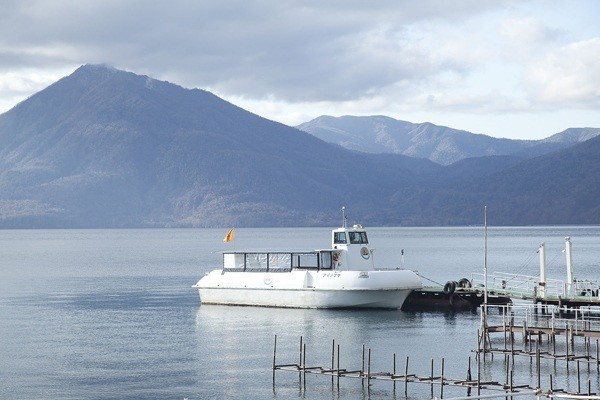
{"points": [[358, 237]]}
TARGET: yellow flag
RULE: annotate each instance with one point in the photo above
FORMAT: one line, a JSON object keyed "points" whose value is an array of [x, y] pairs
{"points": [[230, 236]]}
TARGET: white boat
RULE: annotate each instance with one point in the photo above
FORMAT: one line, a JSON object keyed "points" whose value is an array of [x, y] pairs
{"points": [[342, 276]]}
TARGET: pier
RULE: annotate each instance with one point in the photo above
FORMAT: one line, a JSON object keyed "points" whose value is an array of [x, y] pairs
{"points": [[501, 288], [566, 295]]}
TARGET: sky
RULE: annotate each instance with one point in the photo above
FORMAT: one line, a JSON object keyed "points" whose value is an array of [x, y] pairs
{"points": [[516, 69]]}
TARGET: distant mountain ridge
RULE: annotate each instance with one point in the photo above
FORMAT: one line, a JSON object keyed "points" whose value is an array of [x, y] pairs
{"points": [[107, 148], [380, 134]]}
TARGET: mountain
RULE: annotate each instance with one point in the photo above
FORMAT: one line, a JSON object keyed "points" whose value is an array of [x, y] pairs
{"points": [[104, 147], [380, 134], [108, 148], [554, 189]]}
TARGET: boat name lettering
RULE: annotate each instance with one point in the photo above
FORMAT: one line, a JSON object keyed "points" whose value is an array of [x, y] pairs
{"points": [[331, 275]]}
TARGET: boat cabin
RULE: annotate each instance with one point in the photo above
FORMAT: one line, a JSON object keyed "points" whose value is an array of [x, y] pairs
{"points": [[353, 246]]}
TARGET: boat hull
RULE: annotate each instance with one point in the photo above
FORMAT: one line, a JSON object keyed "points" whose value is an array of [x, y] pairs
{"points": [[309, 289]]}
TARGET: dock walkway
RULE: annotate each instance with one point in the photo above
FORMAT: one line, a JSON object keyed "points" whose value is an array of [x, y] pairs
{"points": [[550, 292]]}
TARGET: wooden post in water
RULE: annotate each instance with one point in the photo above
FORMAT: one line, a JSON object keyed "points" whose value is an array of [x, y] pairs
{"points": [[406, 377], [507, 368], [274, 354], [442, 381], [512, 347], [478, 344], [332, 359], [469, 377], [369, 372], [338, 367], [478, 377], [504, 309], [588, 345], [304, 365], [553, 342], [578, 379], [362, 369], [538, 364], [300, 364], [394, 373], [431, 378], [567, 343]]}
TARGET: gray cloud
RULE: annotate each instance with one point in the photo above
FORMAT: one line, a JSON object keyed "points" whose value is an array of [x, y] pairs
{"points": [[297, 51]]}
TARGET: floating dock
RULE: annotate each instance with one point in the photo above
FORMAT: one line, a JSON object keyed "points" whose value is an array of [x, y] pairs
{"points": [[439, 299]]}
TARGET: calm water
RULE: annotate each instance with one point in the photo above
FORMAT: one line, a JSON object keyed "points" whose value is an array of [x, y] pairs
{"points": [[95, 314]]}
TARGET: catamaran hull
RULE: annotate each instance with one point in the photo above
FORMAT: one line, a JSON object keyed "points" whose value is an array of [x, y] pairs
{"points": [[304, 298], [305, 289]]}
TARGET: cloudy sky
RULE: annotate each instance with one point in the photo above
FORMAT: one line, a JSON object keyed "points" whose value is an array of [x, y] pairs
{"points": [[517, 69]]}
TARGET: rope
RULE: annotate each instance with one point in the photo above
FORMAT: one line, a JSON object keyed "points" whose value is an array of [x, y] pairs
{"points": [[523, 266], [430, 280], [553, 261]]}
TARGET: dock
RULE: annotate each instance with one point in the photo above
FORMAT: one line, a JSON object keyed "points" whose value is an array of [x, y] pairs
{"points": [[574, 336], [435, 298], [566, 295], [543, 294]]}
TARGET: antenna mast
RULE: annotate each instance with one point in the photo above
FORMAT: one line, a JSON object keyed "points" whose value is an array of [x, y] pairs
{"points": [[343, 217]]}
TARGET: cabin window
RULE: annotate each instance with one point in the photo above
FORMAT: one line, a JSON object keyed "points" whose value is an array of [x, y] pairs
{"points": [[339, 238], [279, 261], [305, 260], [326, 260], [358, 237]]}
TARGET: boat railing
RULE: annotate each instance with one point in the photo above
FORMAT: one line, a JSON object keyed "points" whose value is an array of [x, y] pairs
{"points": [[276, 261]]}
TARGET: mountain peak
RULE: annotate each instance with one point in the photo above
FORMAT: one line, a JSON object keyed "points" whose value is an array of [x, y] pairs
{"points": [[97, 68]]}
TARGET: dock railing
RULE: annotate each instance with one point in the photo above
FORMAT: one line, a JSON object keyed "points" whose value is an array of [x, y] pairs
{"points": [[579, 320], [529, 287]]}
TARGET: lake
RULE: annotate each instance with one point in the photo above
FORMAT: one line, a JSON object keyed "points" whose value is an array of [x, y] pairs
{"points": [[111, 314]]}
